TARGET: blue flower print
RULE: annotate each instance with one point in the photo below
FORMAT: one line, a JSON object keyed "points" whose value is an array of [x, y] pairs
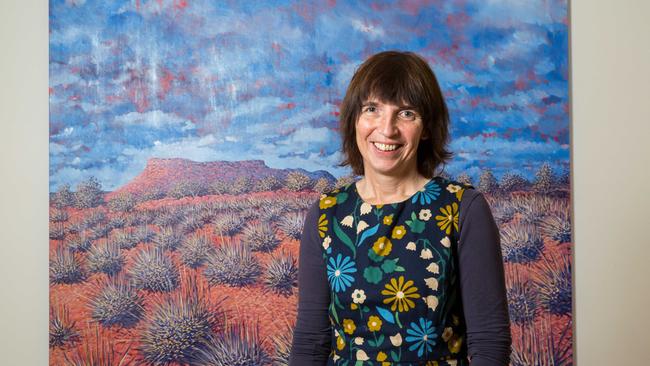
{"points": [[338, 272], [422, 336], [427, 194]]}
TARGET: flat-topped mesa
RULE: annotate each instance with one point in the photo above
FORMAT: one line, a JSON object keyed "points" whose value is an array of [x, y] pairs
{"points": [[161, 174]]}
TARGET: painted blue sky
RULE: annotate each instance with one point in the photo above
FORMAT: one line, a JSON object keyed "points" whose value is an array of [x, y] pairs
{"points": [[233, 80]]}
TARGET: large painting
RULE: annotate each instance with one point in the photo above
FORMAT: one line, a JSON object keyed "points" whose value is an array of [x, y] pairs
{"points": [[188, 138]]}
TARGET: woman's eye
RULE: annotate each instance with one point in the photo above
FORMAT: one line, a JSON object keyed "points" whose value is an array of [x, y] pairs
{"points": [[409, 115], [370, 109]]}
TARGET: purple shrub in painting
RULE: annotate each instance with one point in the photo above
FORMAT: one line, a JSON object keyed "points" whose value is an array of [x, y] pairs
{"points": [[167, 239], [116, 303], [106, 258], [227, 224], [539, 346], [523, 306], [62, 330], [65, 267], [89, 194], [291, 224], [124, 239], [297, 181], [282, 344], [553, 284], [153, 271], [521, 243], [179, 327], [557, 224], [281, 274], [232, 264], [195, 249], [266, 184], [238, 345], [78, 243], [260, 237]]}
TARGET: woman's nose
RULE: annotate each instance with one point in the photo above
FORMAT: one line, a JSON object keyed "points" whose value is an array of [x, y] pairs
{"points": [[388, 125]]}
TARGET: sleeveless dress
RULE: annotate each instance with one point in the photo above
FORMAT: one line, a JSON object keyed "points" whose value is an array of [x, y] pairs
{"points": [[392, 274]]}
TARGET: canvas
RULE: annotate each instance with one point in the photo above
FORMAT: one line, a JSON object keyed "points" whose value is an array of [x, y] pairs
{"points": [[188, 139]]}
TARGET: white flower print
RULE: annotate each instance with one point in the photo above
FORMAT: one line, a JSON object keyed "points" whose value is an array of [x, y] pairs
{"points": [[425, 214], [358, 296], [335, 357], [411, 246], [347, 221], [446, 242], [358, 341], [361, 355], [326, 242], [432, 283], [453, 188], [426, 254], [365, 208], [431, 301], [396, 340], [361, 226], [433, 268]]}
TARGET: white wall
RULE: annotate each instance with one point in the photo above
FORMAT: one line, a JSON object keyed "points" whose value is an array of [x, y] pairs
{"points": [[611, 147], [611, 138]]}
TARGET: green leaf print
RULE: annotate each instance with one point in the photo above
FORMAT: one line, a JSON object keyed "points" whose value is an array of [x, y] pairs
{"points": [[394, 356], [389, 265], [373, 274], [341, 197], [374, 257], [416, 225], [380, 340], [399, 269], [344, 237]]}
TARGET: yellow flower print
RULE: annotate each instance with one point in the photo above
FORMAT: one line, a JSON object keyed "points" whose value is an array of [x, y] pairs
{"points": [[327, 202], [381, 356], [348, 326], [340, 343], [322, 225], [398, 232], [400, 294], [374, 323], [432, 363], [388, 219], [382, 246], [455, 343], [354, 306], [447, 333], [449, 216], [459, 194]]}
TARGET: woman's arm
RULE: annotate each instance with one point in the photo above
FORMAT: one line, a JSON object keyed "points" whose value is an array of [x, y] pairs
{"points": [[312, 334], [482, 283]]}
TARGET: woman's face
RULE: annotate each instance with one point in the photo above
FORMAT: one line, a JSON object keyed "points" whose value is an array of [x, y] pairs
{"points": [[387, 136]]}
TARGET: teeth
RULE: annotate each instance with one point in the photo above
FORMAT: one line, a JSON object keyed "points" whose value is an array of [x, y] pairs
{"points": [[384, 147]]}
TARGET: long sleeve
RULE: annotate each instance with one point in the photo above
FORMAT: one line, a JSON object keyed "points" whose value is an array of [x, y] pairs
{"points": [[482, 283], [312, 334]]}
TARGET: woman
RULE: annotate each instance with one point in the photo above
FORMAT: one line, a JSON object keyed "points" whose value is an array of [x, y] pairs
{"points": [[401, 267]]}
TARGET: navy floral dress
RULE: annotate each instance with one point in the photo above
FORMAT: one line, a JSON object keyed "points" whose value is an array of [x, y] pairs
{"points": [[392, 273]]}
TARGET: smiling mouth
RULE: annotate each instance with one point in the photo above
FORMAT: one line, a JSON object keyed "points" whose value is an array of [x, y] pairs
{"points": [[386, 147]]}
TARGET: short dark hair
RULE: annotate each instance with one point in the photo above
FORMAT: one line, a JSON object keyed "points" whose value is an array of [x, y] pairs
{"points": [[398, 77]]}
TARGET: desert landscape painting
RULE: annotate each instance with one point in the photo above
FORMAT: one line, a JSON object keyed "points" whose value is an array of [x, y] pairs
{"points": [[188, 139]]}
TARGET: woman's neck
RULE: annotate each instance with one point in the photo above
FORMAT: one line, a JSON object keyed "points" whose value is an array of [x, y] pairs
{"points": [[381, 189]]}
